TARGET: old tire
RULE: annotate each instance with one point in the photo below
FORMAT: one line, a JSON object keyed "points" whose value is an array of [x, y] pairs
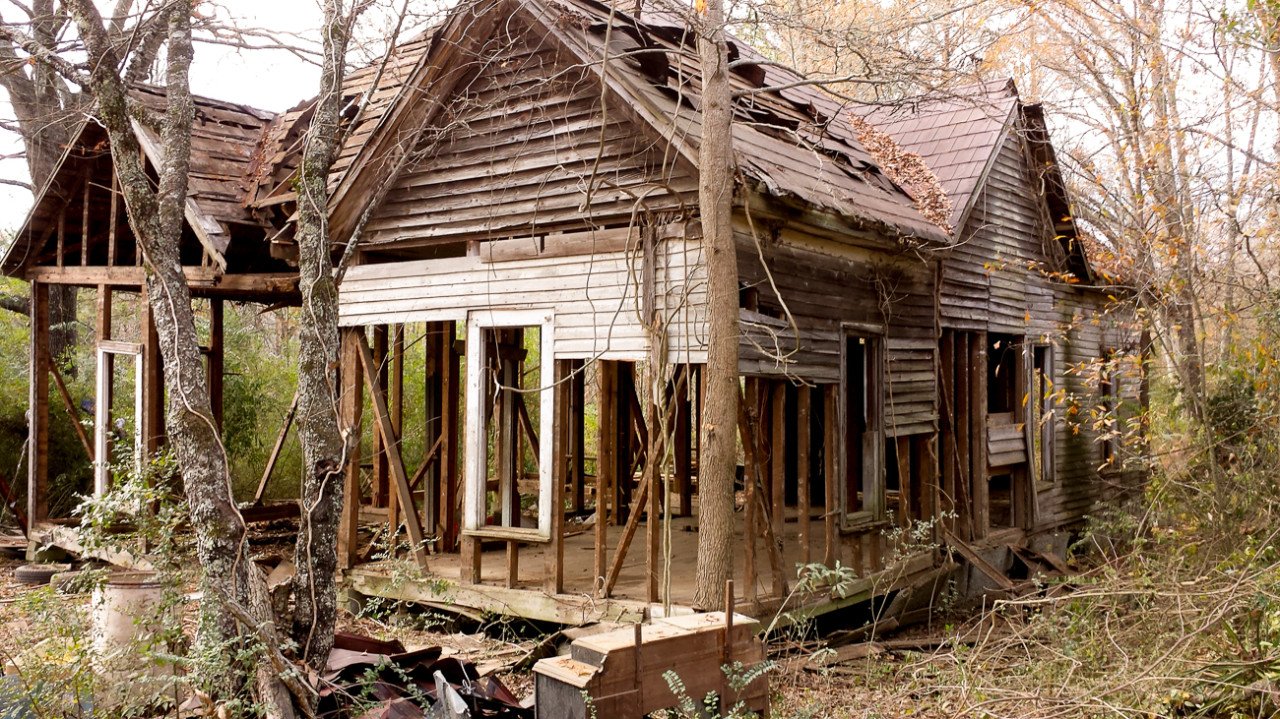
{"points": [[38, 574]]}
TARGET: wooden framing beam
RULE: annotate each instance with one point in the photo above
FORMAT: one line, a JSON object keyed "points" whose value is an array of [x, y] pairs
{"points": [[778, 482], [351, 407], [391, 442], [947, 436], [72, 413], [830, 445], [38, 407], [749, 448], [434, 491], [978, 435], [606, 467], [803, 440], [562, 438], [395, 399], [963, 445], [217, 349], [381, 466], [275, 450]]}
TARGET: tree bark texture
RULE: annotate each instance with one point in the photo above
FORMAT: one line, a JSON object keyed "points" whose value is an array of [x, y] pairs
{"points": [[156, 217], [720, 411], [322, 437]]}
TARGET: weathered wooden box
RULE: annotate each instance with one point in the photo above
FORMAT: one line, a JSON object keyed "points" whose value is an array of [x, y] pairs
{"points": [[619, 674]]}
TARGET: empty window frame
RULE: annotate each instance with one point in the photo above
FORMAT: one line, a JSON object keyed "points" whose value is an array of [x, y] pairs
{"points": [[862, 423], [495, 393], [109, 431], [1040, 414]]}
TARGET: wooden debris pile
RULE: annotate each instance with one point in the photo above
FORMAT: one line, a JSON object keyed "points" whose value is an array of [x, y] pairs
{"points": [[373, 679]]}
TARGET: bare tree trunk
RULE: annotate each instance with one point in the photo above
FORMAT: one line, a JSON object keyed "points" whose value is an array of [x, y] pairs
{"points": [[1268, 14], [720, 411], [319, 428], [229, 577]]}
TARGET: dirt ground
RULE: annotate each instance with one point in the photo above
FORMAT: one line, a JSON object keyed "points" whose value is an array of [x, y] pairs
{"points": [[889, 685]]}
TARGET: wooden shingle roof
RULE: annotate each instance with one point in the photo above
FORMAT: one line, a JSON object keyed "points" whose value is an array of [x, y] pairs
{"points": [[956, 132], [793, 143]]}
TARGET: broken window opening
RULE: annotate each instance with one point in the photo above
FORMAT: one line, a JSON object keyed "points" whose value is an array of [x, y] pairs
{"points": [[862, 410], [510, 411]]}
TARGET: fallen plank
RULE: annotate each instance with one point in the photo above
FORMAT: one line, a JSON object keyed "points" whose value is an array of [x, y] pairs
{"points": [[976, 561]]}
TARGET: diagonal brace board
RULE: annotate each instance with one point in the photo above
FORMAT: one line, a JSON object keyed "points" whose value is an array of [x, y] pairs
{"points": [[391, 444]]}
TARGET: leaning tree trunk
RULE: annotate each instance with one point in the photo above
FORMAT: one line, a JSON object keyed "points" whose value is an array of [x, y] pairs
{"points": [[321, 435], [720, 411], [233, 585]]}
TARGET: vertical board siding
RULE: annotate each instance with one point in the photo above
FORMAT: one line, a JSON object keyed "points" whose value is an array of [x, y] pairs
{"points": [[1000, 278]]}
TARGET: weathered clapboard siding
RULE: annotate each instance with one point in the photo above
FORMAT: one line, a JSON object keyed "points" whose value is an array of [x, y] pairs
{"points": [[597, 299], [526, 147], [995, 277], [823, 291], [1089, 326]]}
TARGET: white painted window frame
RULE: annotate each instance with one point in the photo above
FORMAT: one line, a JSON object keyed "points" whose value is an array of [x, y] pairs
{"points": [[475, 495], [102, 411]]}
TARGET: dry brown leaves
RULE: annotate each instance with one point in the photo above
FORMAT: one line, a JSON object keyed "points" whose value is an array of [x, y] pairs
{"points": [[908, 170]]}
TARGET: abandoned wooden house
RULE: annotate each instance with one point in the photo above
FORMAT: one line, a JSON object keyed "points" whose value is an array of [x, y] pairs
{"points": [[77, 234], [517, 191]]}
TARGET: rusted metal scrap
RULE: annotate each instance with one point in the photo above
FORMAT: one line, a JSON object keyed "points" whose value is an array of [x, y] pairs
{"points": [[372, 679]]}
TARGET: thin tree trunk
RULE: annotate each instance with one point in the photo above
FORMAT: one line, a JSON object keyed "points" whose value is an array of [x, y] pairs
{"points": [[156, 217], [319, 428], [720, 411]]}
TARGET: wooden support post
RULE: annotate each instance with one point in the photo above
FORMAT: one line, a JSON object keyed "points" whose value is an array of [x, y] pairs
{"points": [[978, 434], [507, 445], [623, 477], [830, 448], [153, 433], [925, 463], [351, 407], [38, 406], [381, 470], [390, 441], [778, 464], [434, 490], [803, 441], [902, 452], [513, 563], [577, 432], [395, 404], [451, 387], [947, 437], [606, 466], [102, 331], [750, 448], [964, 423], [562, 468], [216, 359]]}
